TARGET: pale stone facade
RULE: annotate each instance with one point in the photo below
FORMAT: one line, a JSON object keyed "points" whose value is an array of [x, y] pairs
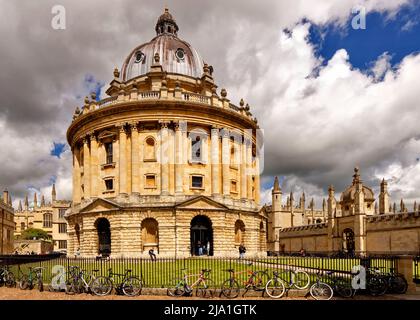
{"points": [[45, 216], [165, 163], [7, 224], [352, 224]]}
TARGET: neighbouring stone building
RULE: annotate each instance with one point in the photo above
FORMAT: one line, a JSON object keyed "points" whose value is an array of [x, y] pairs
{"points": [[354, 223], [7, 224], [45, 216], [166, 162]]}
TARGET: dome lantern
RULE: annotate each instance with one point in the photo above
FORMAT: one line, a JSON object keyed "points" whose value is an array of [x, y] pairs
{"points": [[166, 24]]}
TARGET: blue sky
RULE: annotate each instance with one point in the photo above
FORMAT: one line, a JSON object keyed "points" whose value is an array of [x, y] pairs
{"points": [[398, 35]]}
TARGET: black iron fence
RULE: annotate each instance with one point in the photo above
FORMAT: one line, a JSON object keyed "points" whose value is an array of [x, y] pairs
{"points": [[163, 272], [416, 269]]}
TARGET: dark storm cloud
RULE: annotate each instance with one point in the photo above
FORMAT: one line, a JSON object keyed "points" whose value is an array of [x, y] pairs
{"points": [[43, 75]]}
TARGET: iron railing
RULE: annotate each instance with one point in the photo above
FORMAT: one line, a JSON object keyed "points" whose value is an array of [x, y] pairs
{"points": [[162, 272]]}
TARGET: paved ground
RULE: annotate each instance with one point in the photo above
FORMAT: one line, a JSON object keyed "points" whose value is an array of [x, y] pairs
{"points": [[17, 294]]}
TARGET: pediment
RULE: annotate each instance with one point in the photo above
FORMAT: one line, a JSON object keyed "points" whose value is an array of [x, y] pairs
{"points": [[201, 203], [100, 205]]}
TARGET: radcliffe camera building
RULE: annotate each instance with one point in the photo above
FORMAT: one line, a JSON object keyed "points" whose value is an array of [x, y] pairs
{"points": [[166, 162]]}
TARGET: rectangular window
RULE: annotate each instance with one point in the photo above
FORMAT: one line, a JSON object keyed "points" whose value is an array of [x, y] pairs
{"points": [[150, 181], [61, 213], [109, 184], [62, 227], [233, 186], [47, 223], [109, 153], [62, 244], [196, 182]]}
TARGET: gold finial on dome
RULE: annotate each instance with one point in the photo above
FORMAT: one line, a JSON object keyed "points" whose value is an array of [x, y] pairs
{"points": [[356, 176]]}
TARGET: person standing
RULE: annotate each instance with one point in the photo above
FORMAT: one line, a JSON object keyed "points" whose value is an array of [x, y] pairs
{"points": [[208, 248], [242, 251], [200, 249], [77, 254], [152, 255]]}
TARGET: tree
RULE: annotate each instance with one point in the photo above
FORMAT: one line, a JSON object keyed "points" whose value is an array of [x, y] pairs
{"points": [[37, 234]]}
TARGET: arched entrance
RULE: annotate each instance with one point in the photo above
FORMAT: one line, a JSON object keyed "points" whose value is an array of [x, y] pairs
{"points": [[150, 235], [348, 241], [104, 236], [201, 235]]}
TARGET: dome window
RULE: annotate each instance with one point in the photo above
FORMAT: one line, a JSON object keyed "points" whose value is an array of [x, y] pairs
{"points": [[180, 54], [139, 57]]}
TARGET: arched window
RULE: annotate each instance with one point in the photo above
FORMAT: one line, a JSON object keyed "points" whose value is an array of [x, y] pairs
{"points": [[150, 234], [198, 149], [150, 149], [47, 220], [22, 226], [239, 232]]}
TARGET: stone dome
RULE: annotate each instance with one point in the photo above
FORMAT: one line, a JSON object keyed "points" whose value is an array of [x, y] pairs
{"points": [[175, 55], [349, 193]]}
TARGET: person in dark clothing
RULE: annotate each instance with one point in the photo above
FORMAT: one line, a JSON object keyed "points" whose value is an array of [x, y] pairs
{"points": [[152, 255], [242, 251]]}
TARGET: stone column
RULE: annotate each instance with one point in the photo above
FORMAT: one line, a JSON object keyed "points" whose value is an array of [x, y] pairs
{"points": [[164, 158], [215, 165], [135, 159], [122, 161], [94, 162], [76, 174], [179, 159], [225, 162], [257, 179], [128, 157], [249, 169], [405, 267], [86, 166], [243, 170]]}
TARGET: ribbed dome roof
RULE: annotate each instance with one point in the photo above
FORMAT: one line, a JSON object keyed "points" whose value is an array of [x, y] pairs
{"points": [[176, 55], [349, 193]]}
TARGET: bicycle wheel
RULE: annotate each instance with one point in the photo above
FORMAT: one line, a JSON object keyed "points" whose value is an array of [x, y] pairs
{"points": [[230, 289], [275, 288], [397, 283], [206, 289], [301, 279], [24, 283], [72, 287], [377, 286], [40, 285], [344, 288], [10, 280], [177, 288], [321, 291], [260, 280], [132, 287], [102, 286]]}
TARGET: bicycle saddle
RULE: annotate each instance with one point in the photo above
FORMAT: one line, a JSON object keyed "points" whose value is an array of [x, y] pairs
{"points": [[128, 270], [96, 270], [206, 270], [229, 270]]}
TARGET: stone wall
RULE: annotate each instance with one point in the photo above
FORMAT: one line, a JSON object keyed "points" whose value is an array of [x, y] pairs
{"points": [[312, 238]]}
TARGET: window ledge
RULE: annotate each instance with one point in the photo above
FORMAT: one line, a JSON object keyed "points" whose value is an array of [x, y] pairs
{"points": [[149, 160], [108, 165], [150, 188], [197, 188], [108, 191]]}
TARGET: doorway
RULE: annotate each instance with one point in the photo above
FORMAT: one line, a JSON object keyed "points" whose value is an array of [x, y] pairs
{"points": [[201, 236]]}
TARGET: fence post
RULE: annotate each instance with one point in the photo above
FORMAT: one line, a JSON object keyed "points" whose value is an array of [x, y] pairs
{"points": [[405, 267]]}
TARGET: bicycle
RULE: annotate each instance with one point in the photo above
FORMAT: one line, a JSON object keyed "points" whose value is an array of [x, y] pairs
{"points": [[298, 279], [130, 285], [275, 287], [33, 277], [7, 277], [377, 284], [204, 285], [341, 286], [256, 281], [85, 283], [321, 290], [396, 282]]}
